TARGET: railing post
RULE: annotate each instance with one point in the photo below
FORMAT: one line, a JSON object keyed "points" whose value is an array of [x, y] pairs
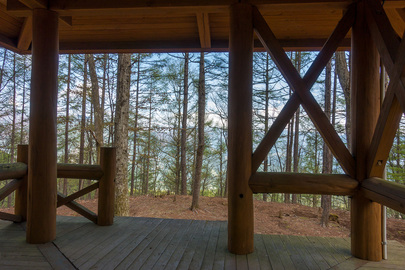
{"points": [[21, 193], [106, 192]]}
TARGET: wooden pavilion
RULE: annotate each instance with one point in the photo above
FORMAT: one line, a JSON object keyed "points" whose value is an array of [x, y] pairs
{"points": [[371, 29]]}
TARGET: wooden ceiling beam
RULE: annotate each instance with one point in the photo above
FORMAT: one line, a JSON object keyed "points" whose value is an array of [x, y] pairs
{"points": [[25, 37], [35, 3], [204, 29], [302, 86]]}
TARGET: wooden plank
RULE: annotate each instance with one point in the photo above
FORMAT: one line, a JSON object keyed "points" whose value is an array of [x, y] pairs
{"points": [[98, 250], [80, 209], [79, 171], [309, 103], [305, 256], [12, 170], [55, 258], [192, 257], [388, 193], [68, 226], [179, 239], [204, 29], [135, 252], [276, 244], [177, 228], [324, 252], [95, 242], [209, 256], [221, 249], [308, 247], [195, 228], [78, 194], [25, 38], [9, 188], [295, 256], [121, 251], [260, 250], [10, 217], [302, 183]]}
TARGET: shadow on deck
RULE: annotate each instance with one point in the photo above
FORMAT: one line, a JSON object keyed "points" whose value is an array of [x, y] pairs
{"points": [[149, 243]]}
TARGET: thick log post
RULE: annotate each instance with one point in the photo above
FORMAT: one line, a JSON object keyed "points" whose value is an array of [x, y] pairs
{"points": [[365, 214], [106, 190], [21, 193], [42, 197], [240, 197]]}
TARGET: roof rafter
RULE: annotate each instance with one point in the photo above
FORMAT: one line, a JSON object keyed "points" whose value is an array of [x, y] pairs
{"points": [[204, 29]]}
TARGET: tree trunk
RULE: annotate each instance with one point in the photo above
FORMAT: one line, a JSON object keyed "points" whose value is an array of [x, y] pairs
{"points": [[12, 143], [66, 158], [121, 134], [327, 155], [201, 143], [23, 102], [135, 126], [266, 116], [83, 119], [344, 80], [95, 100], [184, 129], [297, 128]]}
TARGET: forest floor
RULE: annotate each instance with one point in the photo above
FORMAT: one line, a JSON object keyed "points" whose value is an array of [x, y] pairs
{"points": [[270, 217]]}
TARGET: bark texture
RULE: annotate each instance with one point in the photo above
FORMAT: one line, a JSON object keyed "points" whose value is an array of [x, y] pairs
{"points": [[121, 135]]}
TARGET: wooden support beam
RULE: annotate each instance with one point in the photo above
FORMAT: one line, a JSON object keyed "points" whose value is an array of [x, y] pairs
{"points": [[392, 52], [365, 98], [388, 193], [384, 135], [80, 209], [303, 183], [204, 29], [12, 170], [299, 85], [35, 3], [275, 131], [10, 217], [384, 36], [76, 195], [106, 192], [42, 168], [79, 171], [9, 188], [240, 197], [25, 38], [21, 194]]}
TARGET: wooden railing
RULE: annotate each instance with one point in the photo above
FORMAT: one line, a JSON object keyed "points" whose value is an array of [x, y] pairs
{"points": [[103, 174]]}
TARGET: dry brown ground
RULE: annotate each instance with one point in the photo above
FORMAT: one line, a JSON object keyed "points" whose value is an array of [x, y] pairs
{"points": [[270, 217]]}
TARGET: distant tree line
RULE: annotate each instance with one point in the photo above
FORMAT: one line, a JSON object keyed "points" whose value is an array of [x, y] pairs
{"points": [[167, 116]]}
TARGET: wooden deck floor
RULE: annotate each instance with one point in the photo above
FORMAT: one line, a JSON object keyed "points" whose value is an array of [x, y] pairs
{"points": [[148, 243]]}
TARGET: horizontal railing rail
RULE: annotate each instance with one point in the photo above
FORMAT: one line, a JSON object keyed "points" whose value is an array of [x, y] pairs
{"points": [[103, 173]]}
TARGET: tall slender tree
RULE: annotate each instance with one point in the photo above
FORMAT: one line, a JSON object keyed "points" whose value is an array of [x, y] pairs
{"points": [[201, 142], [183, 146], [121, 135]]}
